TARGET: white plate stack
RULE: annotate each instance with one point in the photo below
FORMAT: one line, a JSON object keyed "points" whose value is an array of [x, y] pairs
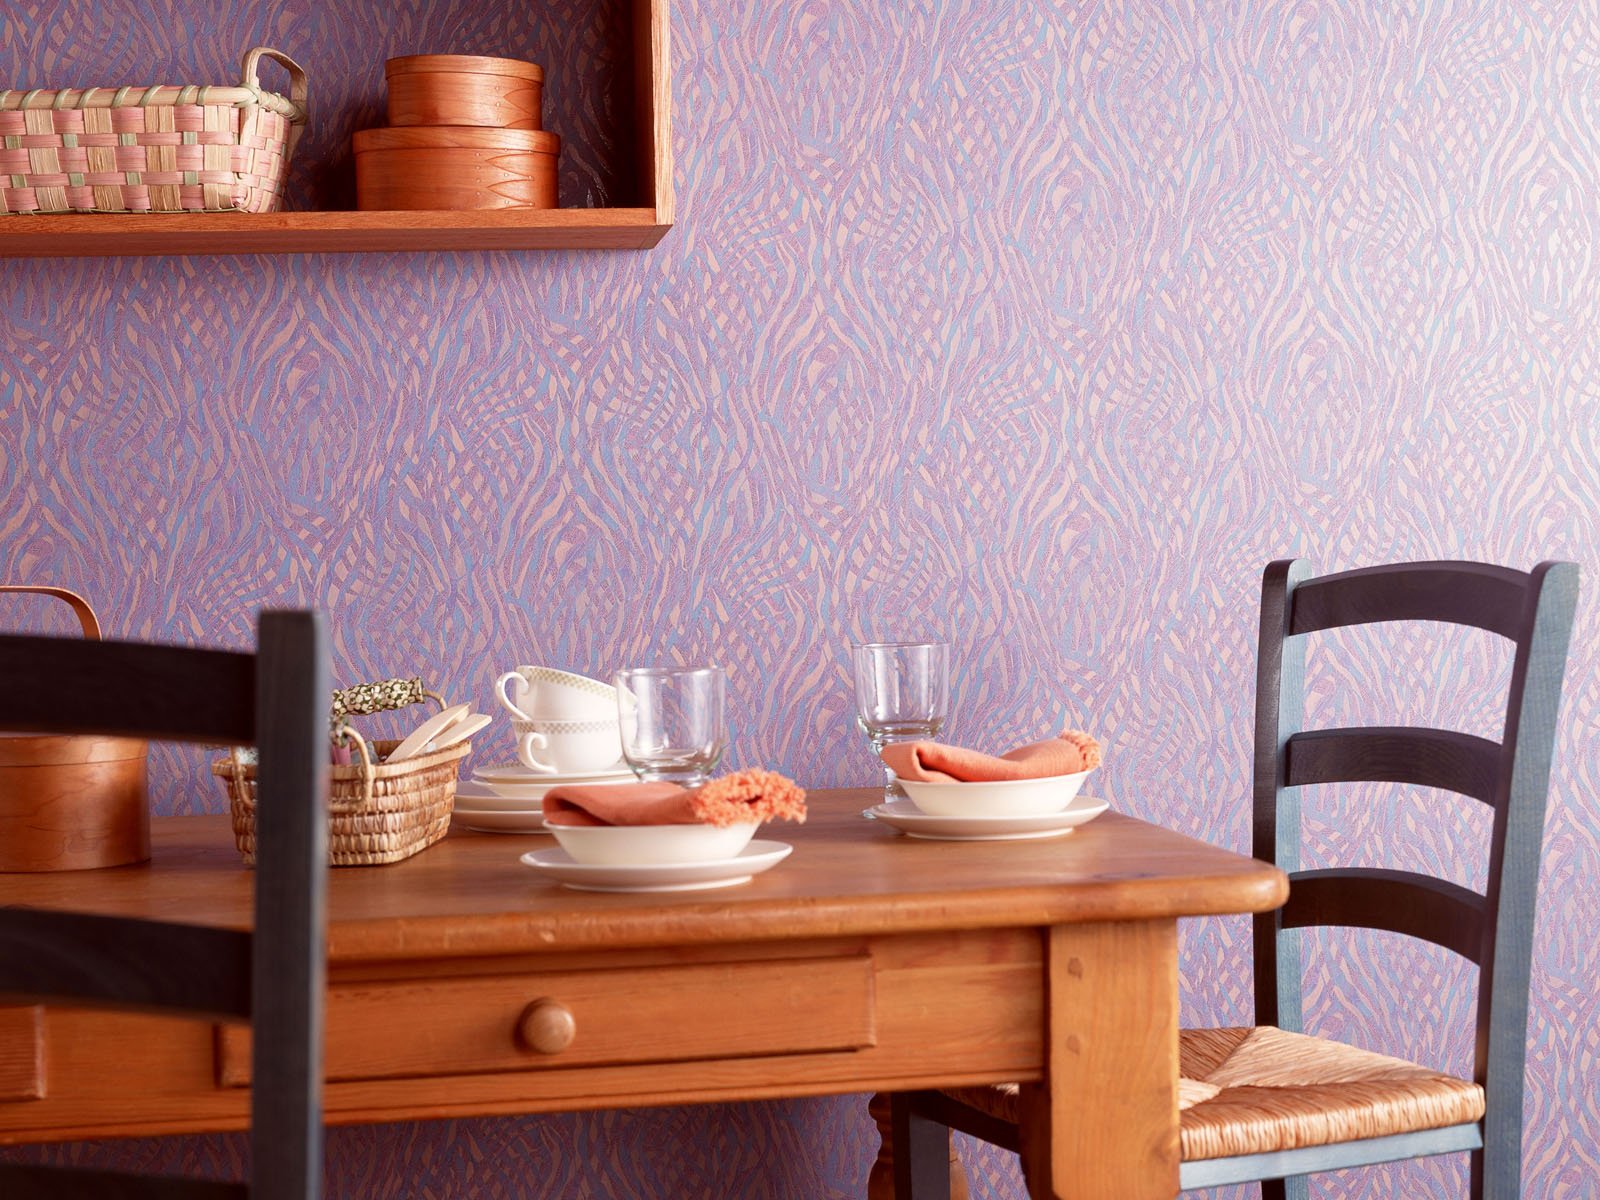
{"points": [[509, 799]]}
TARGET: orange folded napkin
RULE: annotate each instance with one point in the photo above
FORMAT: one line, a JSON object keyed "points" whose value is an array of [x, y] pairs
{"points": [[732, 800], [1069, 752]]}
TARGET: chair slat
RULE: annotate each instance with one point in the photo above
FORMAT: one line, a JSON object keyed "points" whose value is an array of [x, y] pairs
{"points": [[125, 963], [1440, 758], [1418, 906], [1463, 593], [127, 688], [23, 1182]]}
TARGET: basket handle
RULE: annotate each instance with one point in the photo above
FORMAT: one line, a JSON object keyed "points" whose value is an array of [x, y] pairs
{"points": [[80, 606], [366, 767], [250, 77]]}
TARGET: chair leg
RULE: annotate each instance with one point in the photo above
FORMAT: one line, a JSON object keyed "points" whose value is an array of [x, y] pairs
{"points": [[1296, 1187], [880, 1182], [922, 1158], [917, 1158]]}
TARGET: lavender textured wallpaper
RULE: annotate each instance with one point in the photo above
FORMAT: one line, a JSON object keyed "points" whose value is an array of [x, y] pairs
{"points": [[1041, 326]]}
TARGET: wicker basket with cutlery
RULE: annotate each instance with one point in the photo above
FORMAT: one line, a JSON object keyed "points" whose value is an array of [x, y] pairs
{"points": [[378, 812]]}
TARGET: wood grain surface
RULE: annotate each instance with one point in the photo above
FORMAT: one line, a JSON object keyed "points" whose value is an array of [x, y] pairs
{"points": [[461, 983], [637, 219], [848, 876]]}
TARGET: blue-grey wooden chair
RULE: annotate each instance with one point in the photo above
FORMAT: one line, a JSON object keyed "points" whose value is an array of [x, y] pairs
{"points": [[1290, 1105], [274, 977]]}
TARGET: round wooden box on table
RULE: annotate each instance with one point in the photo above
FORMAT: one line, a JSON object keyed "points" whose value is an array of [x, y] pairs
{"points": [[464, 89], [455, 167], [72, 802]]}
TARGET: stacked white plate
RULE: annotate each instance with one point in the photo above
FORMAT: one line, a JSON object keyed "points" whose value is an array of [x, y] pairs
{"points": [[509, 799]]}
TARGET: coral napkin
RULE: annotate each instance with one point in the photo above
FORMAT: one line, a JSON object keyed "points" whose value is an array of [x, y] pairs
{"points": [[733, 799], [1069, 752]]}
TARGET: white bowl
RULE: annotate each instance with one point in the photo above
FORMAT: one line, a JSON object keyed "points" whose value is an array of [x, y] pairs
{"points": [[651, 845], [1002, 798]]}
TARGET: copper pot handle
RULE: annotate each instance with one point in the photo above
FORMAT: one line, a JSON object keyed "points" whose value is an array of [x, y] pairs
{"points": [[86, 617]]}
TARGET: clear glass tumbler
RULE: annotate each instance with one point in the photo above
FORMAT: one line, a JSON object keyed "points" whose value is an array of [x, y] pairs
{"points": [[673, 723], [902, 695]]}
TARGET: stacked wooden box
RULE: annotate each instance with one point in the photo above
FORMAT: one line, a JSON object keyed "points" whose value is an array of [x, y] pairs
{"points": [[464, 132]]}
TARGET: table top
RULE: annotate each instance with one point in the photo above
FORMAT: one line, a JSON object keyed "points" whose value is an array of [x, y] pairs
{"points": [[848, 876]]}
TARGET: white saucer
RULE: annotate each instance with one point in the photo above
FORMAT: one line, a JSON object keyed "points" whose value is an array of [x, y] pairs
{"points": [[487, 821], [473, 795], [534, 790], [913, 822], [755, 858], [517, 773]]}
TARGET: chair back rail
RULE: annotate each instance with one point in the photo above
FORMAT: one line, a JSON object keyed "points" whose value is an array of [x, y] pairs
{"points": [[1437, 758], [128, 689], [23, 1182], [124, 963], [1463, 593], [1419, 906], [1534, 610]]}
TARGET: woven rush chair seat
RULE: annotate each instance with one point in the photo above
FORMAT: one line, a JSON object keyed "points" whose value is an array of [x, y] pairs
{"points": [[1258, 1090], [1262, 1089]]}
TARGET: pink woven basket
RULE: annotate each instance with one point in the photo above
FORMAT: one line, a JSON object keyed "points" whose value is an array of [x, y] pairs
{"points": [[151, 149]]}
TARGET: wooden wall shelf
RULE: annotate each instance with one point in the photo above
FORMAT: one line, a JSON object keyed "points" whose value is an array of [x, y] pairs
{"points": [[632, 228]]}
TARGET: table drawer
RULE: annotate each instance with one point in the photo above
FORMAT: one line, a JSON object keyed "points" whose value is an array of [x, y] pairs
{"points": [[519, 1022]]}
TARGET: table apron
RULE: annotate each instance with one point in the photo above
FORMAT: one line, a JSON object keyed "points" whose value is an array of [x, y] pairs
{"points": [[412, 1040]]}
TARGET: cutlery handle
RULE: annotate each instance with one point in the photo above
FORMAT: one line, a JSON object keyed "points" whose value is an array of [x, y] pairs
{"points": [[365, 698]]}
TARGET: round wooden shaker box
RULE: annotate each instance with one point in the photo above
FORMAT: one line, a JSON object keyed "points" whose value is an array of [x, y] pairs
{"points": [[434, 167], [464, 89], [72, 802]]}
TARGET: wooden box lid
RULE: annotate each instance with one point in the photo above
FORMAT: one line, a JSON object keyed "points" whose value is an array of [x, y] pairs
{"points": [[59, 749], [462, 64]]}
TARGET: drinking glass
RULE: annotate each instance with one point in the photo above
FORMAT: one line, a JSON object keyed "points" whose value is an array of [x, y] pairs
{"points": [[672, 721], [902, 695]]}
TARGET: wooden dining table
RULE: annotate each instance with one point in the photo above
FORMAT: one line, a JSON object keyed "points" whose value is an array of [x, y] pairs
{"points": [[462, 983]]}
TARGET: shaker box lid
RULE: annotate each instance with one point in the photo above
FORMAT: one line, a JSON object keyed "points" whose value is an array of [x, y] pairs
{"points": [[64, 749]]}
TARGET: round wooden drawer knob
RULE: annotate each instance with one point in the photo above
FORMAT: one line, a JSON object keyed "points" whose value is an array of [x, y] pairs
{"points": [[547, 1026]]}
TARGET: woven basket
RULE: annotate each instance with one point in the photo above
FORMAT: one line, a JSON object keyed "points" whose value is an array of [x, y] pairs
{"points": [[151, 149], [376, 814]]}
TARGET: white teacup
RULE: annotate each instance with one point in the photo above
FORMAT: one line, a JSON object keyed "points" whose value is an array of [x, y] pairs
{"points": [[548, 694], [556, 747]]}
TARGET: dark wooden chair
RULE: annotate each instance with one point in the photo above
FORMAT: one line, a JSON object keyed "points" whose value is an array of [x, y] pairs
{"points": [[1269, 1103], [277, 699]]}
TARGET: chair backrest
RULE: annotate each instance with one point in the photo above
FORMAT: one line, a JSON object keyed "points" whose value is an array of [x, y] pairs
{"points": [[1534, 611], [277, 699]]}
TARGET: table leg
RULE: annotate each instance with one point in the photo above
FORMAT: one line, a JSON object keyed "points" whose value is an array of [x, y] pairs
{"points": [[1104, 1123]]}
